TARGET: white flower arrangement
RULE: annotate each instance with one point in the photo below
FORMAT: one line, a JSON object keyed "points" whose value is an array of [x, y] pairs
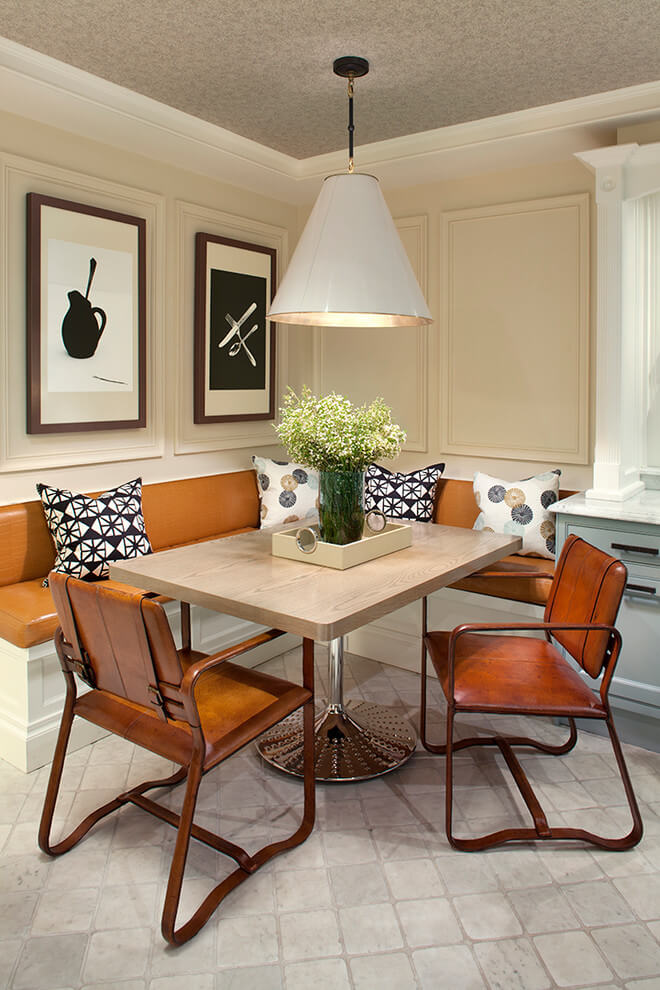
{"points": [[329, 433]]}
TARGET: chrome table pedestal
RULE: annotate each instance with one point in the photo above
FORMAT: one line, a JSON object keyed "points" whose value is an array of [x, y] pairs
{"points": [[352, 742]]}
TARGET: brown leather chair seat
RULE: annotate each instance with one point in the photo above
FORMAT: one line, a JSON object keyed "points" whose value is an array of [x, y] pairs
{"points": [[512, 675], [234, 705]]}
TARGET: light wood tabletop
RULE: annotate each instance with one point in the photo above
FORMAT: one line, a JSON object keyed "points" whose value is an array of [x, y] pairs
{"points": [[239, 576]]}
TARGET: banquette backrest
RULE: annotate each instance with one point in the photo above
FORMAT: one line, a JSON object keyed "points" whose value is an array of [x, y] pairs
{"points": [[175, 513]]}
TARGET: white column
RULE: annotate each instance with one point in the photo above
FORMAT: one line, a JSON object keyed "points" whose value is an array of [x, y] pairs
{"points": [[618, 395]]}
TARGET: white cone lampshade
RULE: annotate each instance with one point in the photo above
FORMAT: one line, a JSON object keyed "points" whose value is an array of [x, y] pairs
{"points": [[350, 267]]}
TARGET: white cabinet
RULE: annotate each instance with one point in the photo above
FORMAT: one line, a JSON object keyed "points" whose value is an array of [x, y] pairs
{"points": [[629, 530]]}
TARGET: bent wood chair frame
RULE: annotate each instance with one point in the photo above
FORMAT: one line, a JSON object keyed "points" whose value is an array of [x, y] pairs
{"points": [[541, 829], [192, 774]]}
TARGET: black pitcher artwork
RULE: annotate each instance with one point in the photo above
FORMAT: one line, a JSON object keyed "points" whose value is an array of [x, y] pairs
{"points": [[81, 330]]}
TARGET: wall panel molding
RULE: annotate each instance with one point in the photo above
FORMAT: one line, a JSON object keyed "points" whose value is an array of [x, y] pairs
{"points": [[192, 437], [516, 330], [18, 450], [415, 236]]}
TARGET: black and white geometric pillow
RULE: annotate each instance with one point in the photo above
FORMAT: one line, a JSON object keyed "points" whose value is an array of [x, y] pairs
{"points": [[402, 496], [521, 508], [89, 533], [288, 492]]}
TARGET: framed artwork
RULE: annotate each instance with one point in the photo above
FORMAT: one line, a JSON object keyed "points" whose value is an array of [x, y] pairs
{"points": [[234, 342], [86, 318]]}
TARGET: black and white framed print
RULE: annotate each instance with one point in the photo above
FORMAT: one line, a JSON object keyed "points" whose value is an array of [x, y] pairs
{"points": [[86, 317], [234, 341]]}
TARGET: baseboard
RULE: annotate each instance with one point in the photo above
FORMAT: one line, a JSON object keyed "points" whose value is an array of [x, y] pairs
{"points": [[28, 753], [397, 649]]}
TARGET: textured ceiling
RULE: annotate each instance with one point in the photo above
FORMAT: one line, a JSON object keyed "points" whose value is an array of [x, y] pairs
{"points": [[264, 70]]}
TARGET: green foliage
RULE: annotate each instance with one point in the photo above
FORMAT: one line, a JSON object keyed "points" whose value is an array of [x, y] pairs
{"points": [[331, 434]]}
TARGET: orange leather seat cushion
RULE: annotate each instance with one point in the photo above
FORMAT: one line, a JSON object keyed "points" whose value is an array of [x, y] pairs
{"points": [[234, 702], [516, 578], [176, 513], [455, 505], [27, 612], [511, 675]]}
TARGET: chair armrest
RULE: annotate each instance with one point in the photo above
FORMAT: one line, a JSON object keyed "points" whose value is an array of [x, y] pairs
{"points": [[196, 670], [527, 626]]}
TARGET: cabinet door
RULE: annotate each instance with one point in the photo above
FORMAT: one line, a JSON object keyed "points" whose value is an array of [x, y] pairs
{"points": [[637, 677], [636, 684]]}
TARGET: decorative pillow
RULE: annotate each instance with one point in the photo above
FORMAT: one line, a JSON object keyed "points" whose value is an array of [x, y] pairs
{"points": [[402, 496], [288, 491], [519, 507], [89, 533]]}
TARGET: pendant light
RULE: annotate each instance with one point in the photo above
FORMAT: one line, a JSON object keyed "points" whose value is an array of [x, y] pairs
{"points": [[349, 268]]}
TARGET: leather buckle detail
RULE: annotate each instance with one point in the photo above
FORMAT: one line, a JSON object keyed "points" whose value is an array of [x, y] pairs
{"points": [[157, 700], [83, 669]]}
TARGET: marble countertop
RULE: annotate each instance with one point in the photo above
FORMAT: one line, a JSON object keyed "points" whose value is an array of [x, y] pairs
{"points": [[642, 508]]}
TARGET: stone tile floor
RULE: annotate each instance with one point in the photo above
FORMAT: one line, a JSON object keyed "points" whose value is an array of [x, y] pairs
{"points": [[375, 898]]}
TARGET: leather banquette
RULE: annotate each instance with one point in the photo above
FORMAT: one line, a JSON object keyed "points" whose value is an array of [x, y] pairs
{"points": [[516, 577], [195, 509], [175, 513]]}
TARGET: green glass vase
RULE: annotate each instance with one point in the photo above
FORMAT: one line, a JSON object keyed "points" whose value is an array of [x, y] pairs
{"points": [[341, 506]]}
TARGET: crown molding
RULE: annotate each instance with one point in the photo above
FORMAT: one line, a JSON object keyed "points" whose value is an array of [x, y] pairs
{"points": [[525, 137], [615, 157], [50, 91]]}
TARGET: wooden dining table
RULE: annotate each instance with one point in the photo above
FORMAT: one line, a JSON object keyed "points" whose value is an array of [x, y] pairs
{"points": [[238, 575]]}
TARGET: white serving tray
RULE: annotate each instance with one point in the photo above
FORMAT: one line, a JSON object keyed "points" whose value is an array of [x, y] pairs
{"points": [[395, 536]]}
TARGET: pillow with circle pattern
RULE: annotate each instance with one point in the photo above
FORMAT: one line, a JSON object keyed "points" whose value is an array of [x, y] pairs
{"points": [[520, 508], [288, 491]]}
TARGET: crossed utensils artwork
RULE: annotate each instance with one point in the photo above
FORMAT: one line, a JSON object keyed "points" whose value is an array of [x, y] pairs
{"points": [[240, 343]]}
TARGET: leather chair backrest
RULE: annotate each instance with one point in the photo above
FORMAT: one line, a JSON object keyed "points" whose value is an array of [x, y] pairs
{"points": [[123, 635], [587, 587]]}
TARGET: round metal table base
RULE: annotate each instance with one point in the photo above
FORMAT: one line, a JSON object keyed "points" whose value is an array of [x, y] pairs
{"points": [[355, 742]]}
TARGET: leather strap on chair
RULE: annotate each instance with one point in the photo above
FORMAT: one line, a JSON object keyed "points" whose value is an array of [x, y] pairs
{"points": [[151, 678], [80, 661]]}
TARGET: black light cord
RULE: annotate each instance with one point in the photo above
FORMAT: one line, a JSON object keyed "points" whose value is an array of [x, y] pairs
{"points": [[350, 67], [351, 125]]}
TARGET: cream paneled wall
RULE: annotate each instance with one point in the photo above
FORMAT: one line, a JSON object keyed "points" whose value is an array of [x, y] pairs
{"points": [[413, 370], [176, 204], [408, 367], [516, 297]]}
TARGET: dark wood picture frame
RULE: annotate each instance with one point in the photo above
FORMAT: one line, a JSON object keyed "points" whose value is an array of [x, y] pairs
{"points": [[226, 389], [99, 407]]}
